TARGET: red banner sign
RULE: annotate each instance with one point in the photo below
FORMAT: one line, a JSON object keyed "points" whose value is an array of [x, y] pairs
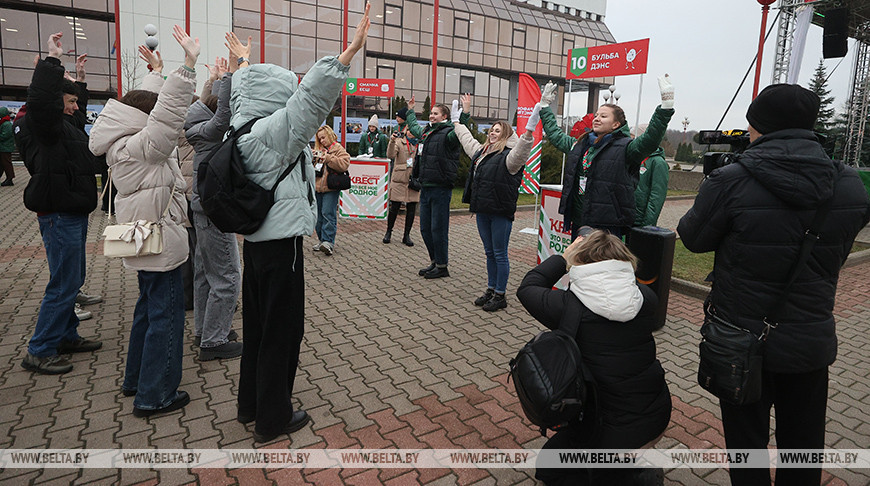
{"points": [[610, 60], [529, 95], [370, 87]]}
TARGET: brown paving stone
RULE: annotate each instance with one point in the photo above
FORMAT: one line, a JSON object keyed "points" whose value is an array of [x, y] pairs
{"points": [[336, 437], [452, 424]]}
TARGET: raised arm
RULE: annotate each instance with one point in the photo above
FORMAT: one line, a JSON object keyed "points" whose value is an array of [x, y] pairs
{"points": [[214, 129], [44, 96], [644, 145], [153, 81], [160, 136], [516, 160], [537, 295], [411, 120]]}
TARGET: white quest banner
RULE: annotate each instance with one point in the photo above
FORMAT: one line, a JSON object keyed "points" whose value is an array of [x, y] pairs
{"points": [[367, 196]]}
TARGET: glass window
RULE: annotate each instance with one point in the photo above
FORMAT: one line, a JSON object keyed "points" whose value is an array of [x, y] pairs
{"points": [[19, 77], [386, 72], [99, 5], [19, 30], [460, 28], [451, 79], [93, 38], [390, 32], [247, 4], [481, 84], [532, 38], [505, 29], [567, 45], [302, 11], [277, 49], [331, 15], [393, 15], [426, 18], [301, 53], [276, 7], [477, 27], [328, 48], [329, 31], [519, 38], [302, 27], [18, 59], [246, 19], [544, 40], [411, 15], [334, 4], [403, 74]]}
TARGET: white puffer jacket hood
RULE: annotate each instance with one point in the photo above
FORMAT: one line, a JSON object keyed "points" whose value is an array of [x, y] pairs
{"points": [[141, 151], [607, 288]]}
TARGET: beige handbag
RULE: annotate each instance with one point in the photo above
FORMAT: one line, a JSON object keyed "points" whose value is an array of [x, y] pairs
{"points": [[135, 239]]}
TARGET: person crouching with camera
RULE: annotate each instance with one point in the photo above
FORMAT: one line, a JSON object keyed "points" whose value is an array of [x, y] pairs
{"points": [[615, 338], [755, 214]]}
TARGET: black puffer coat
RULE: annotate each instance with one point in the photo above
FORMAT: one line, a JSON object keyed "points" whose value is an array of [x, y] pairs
{"points": [[55, 151], [633, 398], [753, 214]]}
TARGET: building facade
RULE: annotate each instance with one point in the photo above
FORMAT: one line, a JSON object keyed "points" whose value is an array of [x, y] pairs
{"points": [[482, 45]]}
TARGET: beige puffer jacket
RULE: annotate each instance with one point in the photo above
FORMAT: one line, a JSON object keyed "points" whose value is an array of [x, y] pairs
{"points": [[140, 151]]}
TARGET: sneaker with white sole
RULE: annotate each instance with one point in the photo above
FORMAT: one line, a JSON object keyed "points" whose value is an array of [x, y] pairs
{"points": [[82, 314], [327, 248], [85, 299], [318, 246]]}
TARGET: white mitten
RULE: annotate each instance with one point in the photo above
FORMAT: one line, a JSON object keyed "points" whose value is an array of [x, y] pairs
{"points": [[549, 94], [667, 90], [534, 118], [455, 111]]}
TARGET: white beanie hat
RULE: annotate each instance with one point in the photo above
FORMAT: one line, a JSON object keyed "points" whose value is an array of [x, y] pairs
{"points": [[373, 121]]}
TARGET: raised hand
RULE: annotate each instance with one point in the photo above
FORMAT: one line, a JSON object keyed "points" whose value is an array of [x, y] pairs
{"points": [[152, 58], [80, 67], [190, 46], [237, 50], [466, 102], [549, 94], [68, 76], [359, 38], [412, 103], [213, 70], [534, 118], [223, 66], [455, 112], [55, 48], [667, 90]]}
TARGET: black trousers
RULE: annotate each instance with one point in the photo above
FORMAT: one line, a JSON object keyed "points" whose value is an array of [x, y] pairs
{"points": [[393, 213], [273, 297], [801, 402]]}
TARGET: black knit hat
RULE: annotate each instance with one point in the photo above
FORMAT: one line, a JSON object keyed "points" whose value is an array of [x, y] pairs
{"points": [[402, 113], [783, 106]]}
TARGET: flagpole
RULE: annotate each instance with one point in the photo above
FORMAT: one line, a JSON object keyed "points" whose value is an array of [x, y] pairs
{"points": [[639, 93]]}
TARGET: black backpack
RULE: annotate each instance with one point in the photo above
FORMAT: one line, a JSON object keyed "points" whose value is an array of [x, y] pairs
{"points": [[232, 202], [554, 387]]}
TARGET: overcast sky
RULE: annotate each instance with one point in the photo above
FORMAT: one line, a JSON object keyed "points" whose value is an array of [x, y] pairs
{"points": [[706, 48]]}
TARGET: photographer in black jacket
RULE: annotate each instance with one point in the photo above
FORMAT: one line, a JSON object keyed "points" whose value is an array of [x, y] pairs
{"points": [[753, 214], [62, 191]]}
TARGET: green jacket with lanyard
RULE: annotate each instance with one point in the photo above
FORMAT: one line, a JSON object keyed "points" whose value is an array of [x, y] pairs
{"points": [[377, 141]]}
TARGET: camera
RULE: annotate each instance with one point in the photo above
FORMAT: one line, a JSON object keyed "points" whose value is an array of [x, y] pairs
{"points": [[738, 140]]}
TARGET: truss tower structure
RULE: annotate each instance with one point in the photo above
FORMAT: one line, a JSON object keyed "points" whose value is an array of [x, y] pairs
{"points": [[859, 90]]}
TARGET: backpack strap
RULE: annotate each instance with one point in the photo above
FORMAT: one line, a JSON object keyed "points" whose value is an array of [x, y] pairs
{"points": [[287, 172]]}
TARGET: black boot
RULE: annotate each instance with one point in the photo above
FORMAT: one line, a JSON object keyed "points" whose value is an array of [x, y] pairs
{"points": [[388, 236], [424, 271], [407, 240], [483, 299], [495, 303]]}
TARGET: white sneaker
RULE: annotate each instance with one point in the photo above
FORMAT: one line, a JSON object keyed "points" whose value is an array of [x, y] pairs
{"points": [[327, 247], [82, 314], [318, 246], [85, 299]]}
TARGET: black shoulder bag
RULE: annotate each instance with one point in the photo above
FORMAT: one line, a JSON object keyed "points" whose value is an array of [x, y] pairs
{"points": [[731, 356]]}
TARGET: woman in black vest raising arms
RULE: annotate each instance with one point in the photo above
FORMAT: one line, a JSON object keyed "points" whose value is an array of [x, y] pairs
{"points": [[491, 192], [435, 168], [603, 166]]}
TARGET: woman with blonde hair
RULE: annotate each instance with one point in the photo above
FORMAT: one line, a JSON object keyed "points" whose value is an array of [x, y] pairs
{"points": [[491, 192], [616, 319], [329, 156]]}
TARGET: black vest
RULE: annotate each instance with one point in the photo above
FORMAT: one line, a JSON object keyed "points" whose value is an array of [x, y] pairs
{"points": [[490, 188], [610, 185], [437, 163]]}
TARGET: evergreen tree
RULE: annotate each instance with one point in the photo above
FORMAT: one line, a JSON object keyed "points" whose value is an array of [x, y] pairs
{"points": [[819, 86], [427, 107]]}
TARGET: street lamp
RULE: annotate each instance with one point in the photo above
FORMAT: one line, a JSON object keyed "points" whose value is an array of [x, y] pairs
{"points": [[606, 96], [685, 126], [616, 97]]}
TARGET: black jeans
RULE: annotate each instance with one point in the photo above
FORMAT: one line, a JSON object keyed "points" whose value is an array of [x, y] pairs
{"points": [[801, 402], [273, 297], [410, 212]]}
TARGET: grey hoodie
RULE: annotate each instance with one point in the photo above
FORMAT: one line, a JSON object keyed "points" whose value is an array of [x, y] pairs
{"points": [[205, 130]]}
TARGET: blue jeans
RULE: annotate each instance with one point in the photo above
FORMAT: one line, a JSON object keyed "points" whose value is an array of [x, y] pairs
{"points": [[435, 221], [495, 232], [63, 235], [327, 205], [217, 281], [154, 354]]}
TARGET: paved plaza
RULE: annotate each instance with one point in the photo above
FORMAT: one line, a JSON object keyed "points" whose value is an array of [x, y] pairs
{"points": [[389, 360]]}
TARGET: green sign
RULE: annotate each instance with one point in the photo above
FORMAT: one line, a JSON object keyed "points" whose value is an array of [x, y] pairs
{"points": [[350, 86], [578, 60]]}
